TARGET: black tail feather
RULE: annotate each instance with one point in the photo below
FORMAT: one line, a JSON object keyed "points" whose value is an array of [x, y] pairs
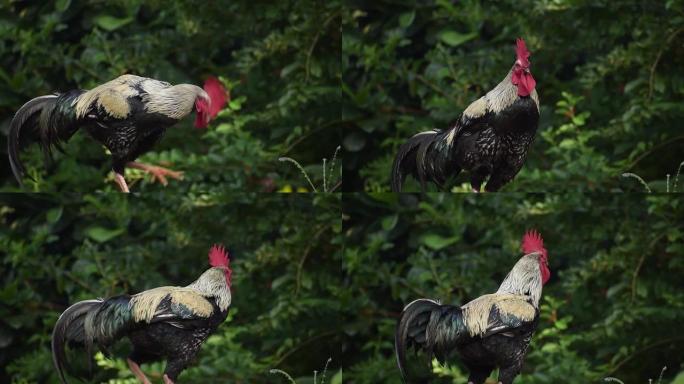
{"points": [[48, 120], [70, 328], [26, 115], [425, 156], [427, 325]]}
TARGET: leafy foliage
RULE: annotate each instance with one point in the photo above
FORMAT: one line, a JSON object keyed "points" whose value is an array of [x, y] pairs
{"points": [[285, 253], [612, 307], [281, 65], [609, 73]]}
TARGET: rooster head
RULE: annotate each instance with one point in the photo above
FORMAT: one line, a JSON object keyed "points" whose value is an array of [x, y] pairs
{"points": [[532, 242], [522, 77], [218, 258], [210, 102]]}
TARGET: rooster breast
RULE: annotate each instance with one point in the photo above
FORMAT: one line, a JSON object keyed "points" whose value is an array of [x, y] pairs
{"points": [[495, 144]]}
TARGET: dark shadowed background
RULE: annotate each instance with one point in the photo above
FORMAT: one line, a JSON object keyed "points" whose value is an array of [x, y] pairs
{"points": [[281, 61], [285, 252], [610, 76], [613, 306]]}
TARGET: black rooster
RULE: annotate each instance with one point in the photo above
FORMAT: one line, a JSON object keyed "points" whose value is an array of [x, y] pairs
{"points": [[127, 115], [490, 139], [165, 323], [491, 331]]}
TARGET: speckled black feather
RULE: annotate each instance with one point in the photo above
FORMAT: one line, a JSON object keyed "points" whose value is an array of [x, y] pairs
{"points": [[51, 120], [440, 331], [492, 146], [177, 341]]}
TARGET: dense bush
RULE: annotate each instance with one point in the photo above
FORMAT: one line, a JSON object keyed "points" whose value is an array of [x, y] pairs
{"points": [[610, 75], [280, 62], [286, 256], [613, 306]]}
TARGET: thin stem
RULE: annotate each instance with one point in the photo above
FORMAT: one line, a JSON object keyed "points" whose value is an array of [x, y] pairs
{"points": [[332, 163], [674, 187], [281, 372], [655, 63], [293, 161], [325, 186], [635, 176], [325, 370], [667, 184]]}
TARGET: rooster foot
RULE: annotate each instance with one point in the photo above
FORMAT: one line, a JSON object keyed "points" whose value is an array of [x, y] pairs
{"points": [[135, 368], [167, 380], [158, 173]]}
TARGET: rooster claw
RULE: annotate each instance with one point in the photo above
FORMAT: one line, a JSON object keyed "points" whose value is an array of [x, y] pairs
{"points": [[157, 173], [167, 380]]}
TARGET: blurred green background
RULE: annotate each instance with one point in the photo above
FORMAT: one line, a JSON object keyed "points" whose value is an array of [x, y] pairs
{"points": [[613, 307], [285, 254], [281, 61], [610, 75]]}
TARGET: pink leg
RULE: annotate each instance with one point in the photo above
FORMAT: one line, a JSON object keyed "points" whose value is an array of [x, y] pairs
{"points": [[135, 368], [121, 182], [157, 173], [167, 380]]}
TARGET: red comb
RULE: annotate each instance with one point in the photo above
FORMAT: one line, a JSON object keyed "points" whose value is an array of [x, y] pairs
{"points": [[533, 242], [521, 51], [218, 257], [218, 94]]}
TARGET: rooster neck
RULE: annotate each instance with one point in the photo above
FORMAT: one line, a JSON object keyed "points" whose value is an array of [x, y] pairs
{"points": [[524, 279], [504, 94], [212, 283]]}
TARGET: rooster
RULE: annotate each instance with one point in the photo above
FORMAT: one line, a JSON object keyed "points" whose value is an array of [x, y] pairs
{"points": [[490, 138], [128, 115], [491, 331], [165, 323]]}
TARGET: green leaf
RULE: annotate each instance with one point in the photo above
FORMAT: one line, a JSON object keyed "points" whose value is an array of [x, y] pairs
{"points": [[52, 216], [679, 379], [389, 222], [102, 235], [406, 19], [111, 23], [337, 379], [437, 242], [62, 5], [455, 39]]}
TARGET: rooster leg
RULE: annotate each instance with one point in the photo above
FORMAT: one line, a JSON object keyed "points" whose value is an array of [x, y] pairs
{"points": [[167, 380], [135, 368], [121, 182], [157, 173]]}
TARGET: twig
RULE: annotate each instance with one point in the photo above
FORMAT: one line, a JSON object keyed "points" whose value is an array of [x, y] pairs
{"points": [[300, 266], [655, 63], [641, 262], [313, 45], [659, 145], [428, 83], [303, 343], [644, 349]]}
